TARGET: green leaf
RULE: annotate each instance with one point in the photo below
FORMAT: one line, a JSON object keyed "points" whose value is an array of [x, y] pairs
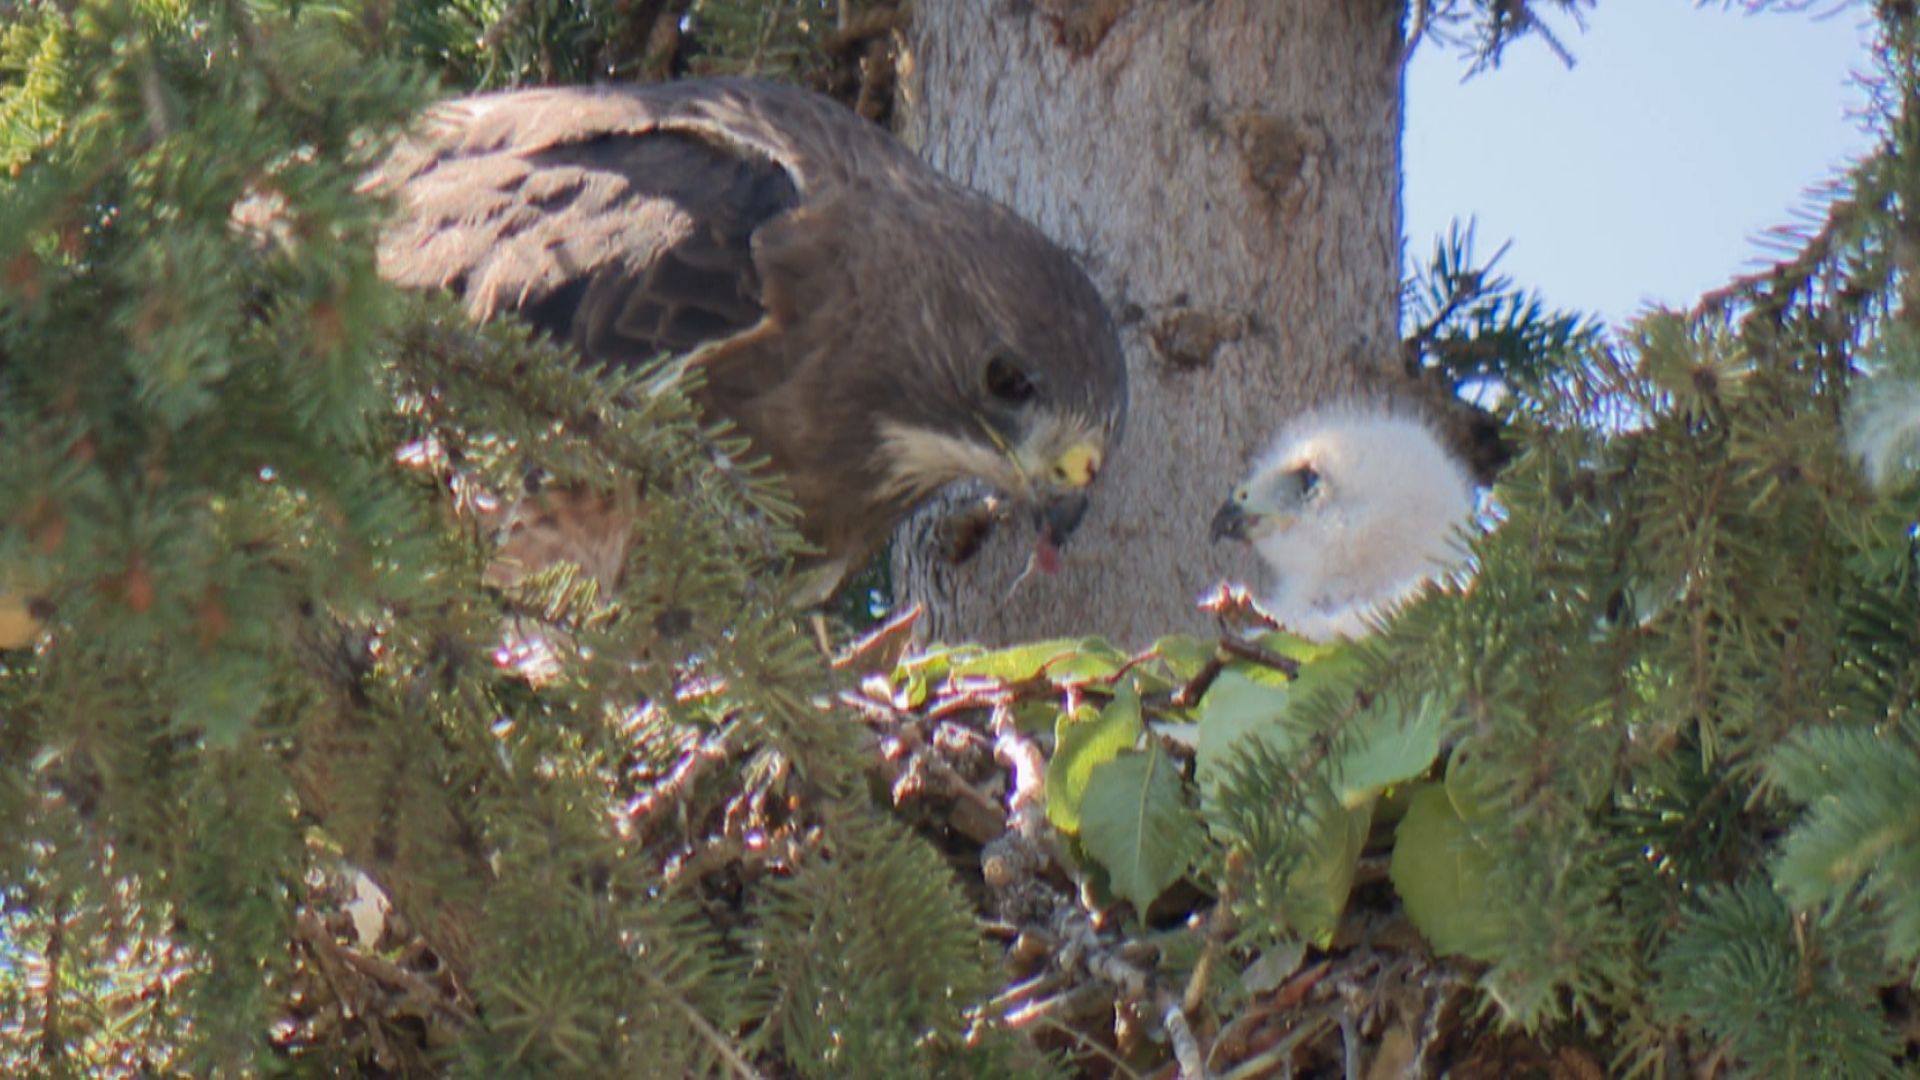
{"points": [[1183, 654], [1315, 890], [1325, 669], [1390, 747], [1473, 782], [1059, 658], [1082, 741], [1441, 873], [1136, 825], [1243, 728], [1295, 647], [1236, 707]]}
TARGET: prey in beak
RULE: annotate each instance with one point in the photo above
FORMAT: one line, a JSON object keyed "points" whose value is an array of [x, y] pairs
{"points": [[1054, 520]]}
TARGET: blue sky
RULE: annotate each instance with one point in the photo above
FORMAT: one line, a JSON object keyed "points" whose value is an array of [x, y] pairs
{"points": [[1645, 172]]}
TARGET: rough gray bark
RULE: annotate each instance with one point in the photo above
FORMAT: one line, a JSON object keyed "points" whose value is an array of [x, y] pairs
{"points": [[1229, 173]]}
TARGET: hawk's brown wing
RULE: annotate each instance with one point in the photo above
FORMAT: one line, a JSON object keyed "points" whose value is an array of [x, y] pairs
{"points": [[618, 220], [610, 218]]}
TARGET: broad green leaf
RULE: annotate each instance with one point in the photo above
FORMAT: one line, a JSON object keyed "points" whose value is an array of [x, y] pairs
{"points": [[1082, 741], [1441, 873], [1327, 669], [910, 689], [933, 664], [1059, 658], [1149, 679], [1473, 785], [1136, 825], [1183, 655], [1235, 707], [1316, 889], [1295, 647], [1093, 658], [1390, 747]]}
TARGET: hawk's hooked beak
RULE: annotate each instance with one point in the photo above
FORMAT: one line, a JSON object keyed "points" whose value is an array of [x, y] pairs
{"points": [[1060, 502], [1276, 503], [1230, 521], [1233, 521]]}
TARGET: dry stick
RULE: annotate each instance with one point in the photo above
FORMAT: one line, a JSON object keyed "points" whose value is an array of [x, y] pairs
{"points": [[1080, 1037], [1186, 1048], [1246, 650], [1219, 931], [958, 787], [1043, 983], [676, 784], [1027, 800], [322, 947], [394, 975], [695, 867], [1196, 688], [1350, 1043], [1073, 1002], [1262, 1064]]}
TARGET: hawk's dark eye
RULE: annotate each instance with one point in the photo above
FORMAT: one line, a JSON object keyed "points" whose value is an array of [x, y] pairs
{"points": [[1309, 479], [1007, 383]]}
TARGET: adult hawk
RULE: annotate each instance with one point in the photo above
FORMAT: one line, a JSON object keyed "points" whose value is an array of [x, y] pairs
{"points": [[876, 330]]}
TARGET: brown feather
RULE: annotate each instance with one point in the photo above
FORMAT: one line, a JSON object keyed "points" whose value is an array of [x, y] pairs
{"points": [[826, 280]]}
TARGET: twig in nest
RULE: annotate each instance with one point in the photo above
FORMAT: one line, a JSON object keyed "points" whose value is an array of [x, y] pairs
{"points": [[384, 972], [673, 787], [881, 648], [1044, 983], [695, 867], [1196, 688], [1247, 650], [1186, 1048], [322, 947], [1082, 1040], [1027, 799], [1081, 1001]]}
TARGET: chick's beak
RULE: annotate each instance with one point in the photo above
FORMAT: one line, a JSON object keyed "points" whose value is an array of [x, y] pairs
{"points": [[1229, 522]]}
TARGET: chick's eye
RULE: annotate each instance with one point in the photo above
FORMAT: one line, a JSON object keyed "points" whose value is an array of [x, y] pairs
{"points": [[1309, 479], [1007, 383]]}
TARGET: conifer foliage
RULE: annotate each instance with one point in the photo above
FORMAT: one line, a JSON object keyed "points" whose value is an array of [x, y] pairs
{"points": [[253, 673], [277, 790], [1644, 785]]}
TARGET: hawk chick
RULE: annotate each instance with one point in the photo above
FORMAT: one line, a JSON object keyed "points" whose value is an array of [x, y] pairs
{"points": [[1351, 510], [875, 329]]}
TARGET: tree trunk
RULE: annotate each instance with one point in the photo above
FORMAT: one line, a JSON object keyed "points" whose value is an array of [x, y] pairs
{"points": [[1229, 174]]}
